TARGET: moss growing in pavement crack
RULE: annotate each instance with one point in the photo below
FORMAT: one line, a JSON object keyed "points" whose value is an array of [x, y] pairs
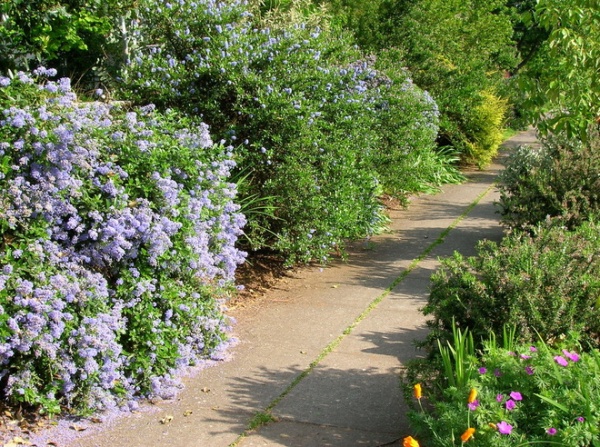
{"points": [[265, 417]]}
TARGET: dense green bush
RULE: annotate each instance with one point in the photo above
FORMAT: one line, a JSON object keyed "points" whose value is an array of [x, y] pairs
{"points": [[118, 233], [457, 51], [546, 284], [85, 40], [309, 117], [560, 180], [407, 122], [486, 130]]}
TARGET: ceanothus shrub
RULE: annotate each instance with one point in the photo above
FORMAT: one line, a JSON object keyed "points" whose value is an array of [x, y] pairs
{"points": [[302, 105], [118, 243]]}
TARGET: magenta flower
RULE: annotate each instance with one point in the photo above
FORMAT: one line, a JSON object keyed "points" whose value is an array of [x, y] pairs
{"points": [[482, 370], [510, 404], [525, 356], [551, 431], [516, 395], [529, 370], [499, 398], [473, 405], [573, 356], [580, 419], [561, 360], [504, 428], [532, 349]]}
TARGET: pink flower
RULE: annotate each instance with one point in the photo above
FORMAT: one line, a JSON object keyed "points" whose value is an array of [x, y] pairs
{"points": [[529, 370], [504, 428], [499, 398], [516, 395], [510, 404], [580, 419], [473, 405], [532, 349], [561, 360], [551, 431], [573, 356], [525, 356]]}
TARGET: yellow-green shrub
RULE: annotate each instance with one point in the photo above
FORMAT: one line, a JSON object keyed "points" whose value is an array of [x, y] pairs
{"points": [[487, 129]]}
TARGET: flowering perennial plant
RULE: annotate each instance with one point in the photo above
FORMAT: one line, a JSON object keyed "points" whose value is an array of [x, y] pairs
{"points": [[535, 400], [118, 236]]}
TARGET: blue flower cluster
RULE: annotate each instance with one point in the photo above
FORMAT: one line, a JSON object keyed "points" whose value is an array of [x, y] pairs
{"points": [[118, 231]]}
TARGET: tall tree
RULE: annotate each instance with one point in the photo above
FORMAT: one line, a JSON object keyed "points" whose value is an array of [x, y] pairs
{"points": [[563, 79]]}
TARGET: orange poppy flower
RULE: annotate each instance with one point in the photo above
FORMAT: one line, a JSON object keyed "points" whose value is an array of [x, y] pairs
{"points": [[409, 441], [417, 390], [468, 434], [472, 396]]}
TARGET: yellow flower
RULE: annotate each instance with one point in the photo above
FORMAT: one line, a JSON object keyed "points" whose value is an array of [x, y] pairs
{"points": [[409, 441], [417, 390], [468, 434], [472, 396]]}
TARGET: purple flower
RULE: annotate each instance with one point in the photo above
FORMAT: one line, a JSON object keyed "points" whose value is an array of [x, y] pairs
{"points": [[580, 419], [574, 357], [473, 405], [516, 395], [499, 398], [482, 370], [510, 404], [529, 370], [561, 360], [497, 372], [504, 428], [551, 431]]}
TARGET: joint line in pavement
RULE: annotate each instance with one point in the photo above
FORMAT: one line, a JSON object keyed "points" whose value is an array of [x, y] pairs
{"points": [[372, 305]]}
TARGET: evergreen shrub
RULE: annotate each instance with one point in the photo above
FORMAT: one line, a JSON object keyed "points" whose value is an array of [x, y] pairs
{"points": [[544, 284], [560, 180], [487, 129], [303, 108], [118, 233]]}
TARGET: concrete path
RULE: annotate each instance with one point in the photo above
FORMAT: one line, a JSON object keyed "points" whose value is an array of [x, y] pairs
{"points": [[323, 350]]}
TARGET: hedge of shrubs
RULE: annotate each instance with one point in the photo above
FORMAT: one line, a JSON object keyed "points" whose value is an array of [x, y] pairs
{"points": [[319, 130], [118, 238]]}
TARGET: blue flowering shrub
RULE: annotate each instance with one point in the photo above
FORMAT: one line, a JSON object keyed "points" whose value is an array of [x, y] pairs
{"points": [[305, 110], [118, 232]]}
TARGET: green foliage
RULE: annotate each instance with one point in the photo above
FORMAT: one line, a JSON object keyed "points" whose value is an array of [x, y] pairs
{"points": [[563, 81], [560, 180], [84, 40], [456, 50], [486, 130], [457, 358], [546, 284], [320, 128], [535, 394], [407, 125]]}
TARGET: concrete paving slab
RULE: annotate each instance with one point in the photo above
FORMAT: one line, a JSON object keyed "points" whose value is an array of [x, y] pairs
{"points": [[291, 433]]}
